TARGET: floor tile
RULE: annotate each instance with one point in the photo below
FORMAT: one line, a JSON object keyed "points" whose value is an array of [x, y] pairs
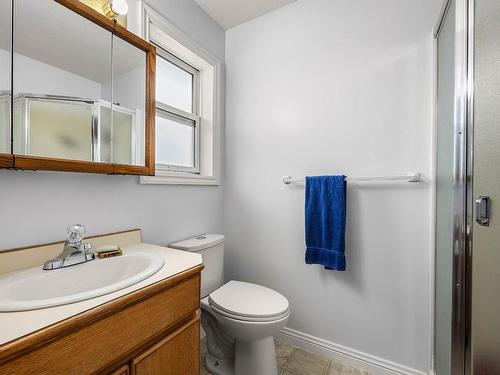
{"points": [[334, 368], [348, 371], [293, 361], [203, 354], [204, 371], [304, 363], [283, 352]]}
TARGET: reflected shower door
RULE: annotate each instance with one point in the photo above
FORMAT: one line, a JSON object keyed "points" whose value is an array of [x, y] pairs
{"points": [[444, 191]]}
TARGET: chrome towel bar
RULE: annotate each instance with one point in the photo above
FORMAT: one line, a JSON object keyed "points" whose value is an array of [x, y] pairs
{"points": [[411, 177]]}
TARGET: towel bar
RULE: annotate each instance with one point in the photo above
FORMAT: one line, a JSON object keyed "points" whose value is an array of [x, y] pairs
{"points": [[412, 177]]}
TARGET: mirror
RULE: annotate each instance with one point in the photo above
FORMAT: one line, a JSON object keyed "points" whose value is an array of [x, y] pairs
{"points": [[5, 73], [62, 65], [126, 128], [80, 91]]}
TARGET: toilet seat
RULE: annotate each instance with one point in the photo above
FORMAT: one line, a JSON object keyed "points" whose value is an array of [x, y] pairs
{"points": [[249, 302], [249, 318]]}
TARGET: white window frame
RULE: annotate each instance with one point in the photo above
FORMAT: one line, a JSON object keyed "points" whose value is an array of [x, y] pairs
{"points": [[172, 113], [162, 33]]}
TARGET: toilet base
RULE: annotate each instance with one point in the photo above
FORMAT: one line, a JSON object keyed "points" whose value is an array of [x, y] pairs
{"points": [[218, 367], [255, 357], [251, 357]]}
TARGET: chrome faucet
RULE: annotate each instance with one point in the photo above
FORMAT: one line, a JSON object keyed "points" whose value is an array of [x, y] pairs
{"points": [[75, 251]]}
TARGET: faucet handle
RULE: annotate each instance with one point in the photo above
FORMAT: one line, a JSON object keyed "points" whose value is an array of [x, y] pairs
{"points": [[76, 233]]}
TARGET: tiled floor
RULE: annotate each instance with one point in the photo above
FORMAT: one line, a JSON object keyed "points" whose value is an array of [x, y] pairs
{"points": [[294, 361]]}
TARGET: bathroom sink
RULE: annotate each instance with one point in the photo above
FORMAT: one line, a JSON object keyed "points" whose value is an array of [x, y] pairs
{"points": [[36, 288]]}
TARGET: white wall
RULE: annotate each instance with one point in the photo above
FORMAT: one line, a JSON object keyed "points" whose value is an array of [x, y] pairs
{"points": [[36, 207], [36, 77], [188, 17], [4, 70], [335, 87]]}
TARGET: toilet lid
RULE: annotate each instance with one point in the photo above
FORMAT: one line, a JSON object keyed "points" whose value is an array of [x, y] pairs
{"points": [[248, 300]]}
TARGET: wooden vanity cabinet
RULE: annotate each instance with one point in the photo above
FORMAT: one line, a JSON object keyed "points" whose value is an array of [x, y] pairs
{"points": [[172, 355], [154, 330], [123, 370]]}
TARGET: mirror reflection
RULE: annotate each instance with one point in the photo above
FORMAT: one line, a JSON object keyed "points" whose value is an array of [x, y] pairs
{"points": [[129, 104], [70, 100], [5, 72]]}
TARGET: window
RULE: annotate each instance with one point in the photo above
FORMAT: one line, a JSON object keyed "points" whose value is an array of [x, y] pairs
{"points": [[188, 106], [177, 120]]}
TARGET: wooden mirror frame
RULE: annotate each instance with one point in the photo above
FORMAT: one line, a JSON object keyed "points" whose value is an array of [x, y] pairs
{"points": [[66, 165], [6, 161]]}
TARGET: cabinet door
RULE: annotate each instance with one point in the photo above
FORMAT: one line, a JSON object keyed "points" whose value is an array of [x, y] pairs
{"points": [[124, 370], [60, 80], [177, 354]]}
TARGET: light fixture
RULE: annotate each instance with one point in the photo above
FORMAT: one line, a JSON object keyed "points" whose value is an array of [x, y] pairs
{"points": [[113, 9], [116, 8]]}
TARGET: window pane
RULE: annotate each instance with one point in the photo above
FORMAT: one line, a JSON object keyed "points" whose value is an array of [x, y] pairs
{"points": [[174, 86], [175, 141], [129, 94]]}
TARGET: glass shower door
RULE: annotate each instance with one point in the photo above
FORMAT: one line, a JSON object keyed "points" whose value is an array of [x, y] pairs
{"points": [[444, 191]]}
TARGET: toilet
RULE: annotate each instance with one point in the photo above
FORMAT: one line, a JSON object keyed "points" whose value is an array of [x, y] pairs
{"points": [[239, 318]]}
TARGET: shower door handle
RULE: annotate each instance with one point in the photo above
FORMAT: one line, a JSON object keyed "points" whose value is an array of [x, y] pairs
{"points": [[483, 210]]}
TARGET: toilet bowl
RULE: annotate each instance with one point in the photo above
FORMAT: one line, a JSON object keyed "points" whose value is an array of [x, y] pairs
{"points": [[239, 318], [248, 315]]}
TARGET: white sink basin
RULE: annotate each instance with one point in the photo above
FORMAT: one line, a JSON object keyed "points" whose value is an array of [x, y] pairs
{"points": [[36, 288]]}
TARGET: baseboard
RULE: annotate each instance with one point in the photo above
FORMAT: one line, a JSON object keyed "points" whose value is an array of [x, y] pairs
{"points": [[347, 356]]}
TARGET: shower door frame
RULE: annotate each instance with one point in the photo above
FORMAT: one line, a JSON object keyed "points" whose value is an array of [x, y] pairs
{"points": [[462, 179]]}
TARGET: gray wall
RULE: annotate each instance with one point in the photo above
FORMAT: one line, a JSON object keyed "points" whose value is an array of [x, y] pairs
{"points": [[190, 18], [36, 207], [336, 87]]}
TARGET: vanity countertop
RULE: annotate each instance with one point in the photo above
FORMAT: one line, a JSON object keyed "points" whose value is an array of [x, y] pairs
{"points": [[21, 323]]}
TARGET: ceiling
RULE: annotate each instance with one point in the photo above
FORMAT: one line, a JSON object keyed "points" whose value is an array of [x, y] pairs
{"points": [[231, 13]]}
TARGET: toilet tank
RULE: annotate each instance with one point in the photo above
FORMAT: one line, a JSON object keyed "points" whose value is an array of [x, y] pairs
{"points": [[211, 248]]}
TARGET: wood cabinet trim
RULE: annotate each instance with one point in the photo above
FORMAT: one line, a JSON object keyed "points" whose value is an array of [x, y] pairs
{"points": [[193, 324], [109, 341], [151, 110], [106, 23], [182, 324], [122, 370], [123, 169], [127, 358], [6, 161], [162, 342], [29, 343], [60, 165]]}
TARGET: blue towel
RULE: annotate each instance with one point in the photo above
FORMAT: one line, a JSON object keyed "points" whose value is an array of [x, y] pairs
{"points": [[325, 217]]}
